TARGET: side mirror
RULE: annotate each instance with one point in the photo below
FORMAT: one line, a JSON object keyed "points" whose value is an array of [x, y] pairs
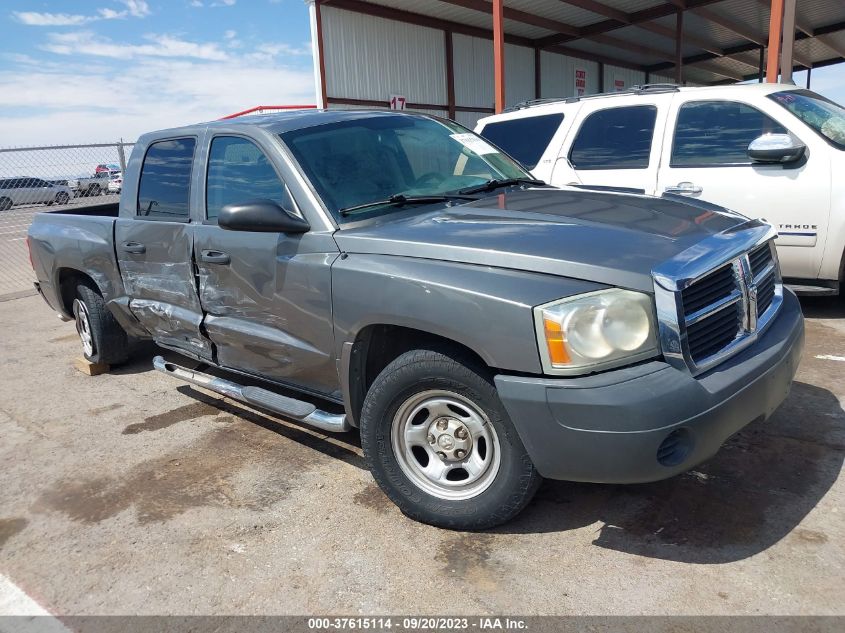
{"points": [[776, 148], [263, 216]]}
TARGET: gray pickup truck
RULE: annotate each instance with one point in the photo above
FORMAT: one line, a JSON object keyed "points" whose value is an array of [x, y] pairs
{"points": [[398, 274]]}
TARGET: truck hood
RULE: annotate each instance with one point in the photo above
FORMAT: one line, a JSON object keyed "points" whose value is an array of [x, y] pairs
{"points": [[608, 238]]}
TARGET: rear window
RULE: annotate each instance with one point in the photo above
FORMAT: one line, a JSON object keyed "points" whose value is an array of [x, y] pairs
{"points": [[615, 138], [524, 139], [165, 188]]}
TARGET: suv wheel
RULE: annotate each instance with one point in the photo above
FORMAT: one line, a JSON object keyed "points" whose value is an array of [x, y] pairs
{"points": [[440, 444], [103, 340]]}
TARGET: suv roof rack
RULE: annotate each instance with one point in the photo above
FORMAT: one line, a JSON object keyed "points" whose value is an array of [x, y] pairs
{"points": [[637, 89]]}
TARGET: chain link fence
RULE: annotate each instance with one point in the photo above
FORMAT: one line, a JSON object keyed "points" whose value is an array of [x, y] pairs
{"points": [[34, 179]]}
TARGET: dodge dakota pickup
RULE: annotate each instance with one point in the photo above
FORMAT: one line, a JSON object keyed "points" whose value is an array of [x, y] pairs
{"points": [[397, 274]]}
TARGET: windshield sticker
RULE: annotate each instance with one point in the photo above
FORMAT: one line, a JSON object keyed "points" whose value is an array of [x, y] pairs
{"points": [[475, 143]]}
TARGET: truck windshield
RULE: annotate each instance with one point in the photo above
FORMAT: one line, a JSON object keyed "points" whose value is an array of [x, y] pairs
{"points": [[826, 117], [382, 157]]}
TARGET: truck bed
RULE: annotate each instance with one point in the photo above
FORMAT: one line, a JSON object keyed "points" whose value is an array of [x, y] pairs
{"points": [[108, 210]]}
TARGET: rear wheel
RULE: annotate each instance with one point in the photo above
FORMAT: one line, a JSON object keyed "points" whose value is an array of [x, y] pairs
{"points": [[440, 444], [62, 197], [94, 190], [5, 204], [103, 340]]}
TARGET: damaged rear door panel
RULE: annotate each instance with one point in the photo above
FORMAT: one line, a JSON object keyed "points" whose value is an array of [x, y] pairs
{"points": [[155, 249]]}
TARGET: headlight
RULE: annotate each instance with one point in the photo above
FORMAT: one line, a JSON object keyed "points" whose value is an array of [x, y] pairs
{"points": [[595, 330]]}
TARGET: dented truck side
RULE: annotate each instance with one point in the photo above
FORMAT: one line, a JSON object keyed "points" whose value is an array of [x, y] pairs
{"points": [[429, 322]]}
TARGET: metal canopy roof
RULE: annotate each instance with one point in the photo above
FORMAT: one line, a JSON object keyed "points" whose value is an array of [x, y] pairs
{"points": [[722, 40]]}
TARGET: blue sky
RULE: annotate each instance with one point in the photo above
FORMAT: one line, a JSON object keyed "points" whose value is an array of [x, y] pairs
{"points": [[99, 70]]}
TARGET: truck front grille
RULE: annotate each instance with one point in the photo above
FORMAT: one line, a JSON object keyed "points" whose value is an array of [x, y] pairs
{"points": [[727, 305]]}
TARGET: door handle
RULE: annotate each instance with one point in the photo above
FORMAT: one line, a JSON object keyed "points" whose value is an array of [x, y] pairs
{"points": [[684, 188], [133, 247], [215, 257]]}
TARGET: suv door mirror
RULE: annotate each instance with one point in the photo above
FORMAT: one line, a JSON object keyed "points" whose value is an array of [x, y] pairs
{"points": [[263, 216], [776, 148]]}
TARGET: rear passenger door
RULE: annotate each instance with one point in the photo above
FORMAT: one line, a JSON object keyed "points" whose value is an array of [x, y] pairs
{"points": [[267, 296], [155, 248], [614, 143]]}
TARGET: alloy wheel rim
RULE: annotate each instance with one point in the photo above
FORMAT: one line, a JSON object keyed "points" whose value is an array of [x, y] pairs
{"points": [[83, 327], [445, 444]]}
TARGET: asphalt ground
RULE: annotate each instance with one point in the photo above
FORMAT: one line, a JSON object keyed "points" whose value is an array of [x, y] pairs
{"points": [[129, 493]]}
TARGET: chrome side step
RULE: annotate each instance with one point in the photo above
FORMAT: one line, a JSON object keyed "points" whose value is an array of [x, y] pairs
{"points": [[304, 412], [808, 290]]}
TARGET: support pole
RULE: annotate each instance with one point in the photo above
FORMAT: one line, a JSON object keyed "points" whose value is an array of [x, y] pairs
{"points": [[499, 53], [775, 31], [786, 60], [679, 51], [809, 72], [601, 77], [762, 65], [538, 74]]}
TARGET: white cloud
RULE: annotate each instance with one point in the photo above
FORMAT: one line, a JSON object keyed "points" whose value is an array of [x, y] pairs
{"points": [[133, 8], [87, 43], [33, 18], [102, 89]]}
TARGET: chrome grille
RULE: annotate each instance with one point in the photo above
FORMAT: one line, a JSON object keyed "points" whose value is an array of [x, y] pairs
{"points": [[717, 310]]}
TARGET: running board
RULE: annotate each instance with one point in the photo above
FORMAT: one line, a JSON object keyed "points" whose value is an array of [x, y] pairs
{"points": [[304, 412]]}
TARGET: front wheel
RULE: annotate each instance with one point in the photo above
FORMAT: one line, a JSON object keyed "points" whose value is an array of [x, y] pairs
{"points": [[441, 445], [62, 198]]}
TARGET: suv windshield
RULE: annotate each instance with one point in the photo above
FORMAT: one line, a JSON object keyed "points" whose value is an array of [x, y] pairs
{"points": [[823, 115], [384, 157]]}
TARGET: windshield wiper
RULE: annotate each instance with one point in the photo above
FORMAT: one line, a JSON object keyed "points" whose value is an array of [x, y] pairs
{"points": [[399, 200], [495, 183]]}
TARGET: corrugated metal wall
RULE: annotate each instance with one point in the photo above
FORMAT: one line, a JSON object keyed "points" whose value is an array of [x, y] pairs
{"points": [[627, 76], [372, 58], [557, 75], [473, 59]]}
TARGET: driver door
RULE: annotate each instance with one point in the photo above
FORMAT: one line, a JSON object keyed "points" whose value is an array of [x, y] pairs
{"points": [[266, 296]]}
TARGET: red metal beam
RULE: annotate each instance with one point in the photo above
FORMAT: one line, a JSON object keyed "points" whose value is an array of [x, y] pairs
{"points": [[483, 6], [499, 54], [266, 107], [775, 31]]}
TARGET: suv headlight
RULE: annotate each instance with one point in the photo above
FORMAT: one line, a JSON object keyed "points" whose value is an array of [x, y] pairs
{"points": [[595, 330]]}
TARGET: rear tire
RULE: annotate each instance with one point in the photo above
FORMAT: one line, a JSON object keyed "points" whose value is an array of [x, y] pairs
{"points": [[62, 198], [103, 340], [5, 204], [440, 444], [93, 190]]}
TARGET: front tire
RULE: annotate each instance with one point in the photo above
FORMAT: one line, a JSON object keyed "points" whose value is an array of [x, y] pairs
{"points": [[103, 340], [62, 198], [440, 444]]}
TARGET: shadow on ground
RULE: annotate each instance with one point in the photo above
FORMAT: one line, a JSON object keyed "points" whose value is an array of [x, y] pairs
{"points": [[753, 493]]}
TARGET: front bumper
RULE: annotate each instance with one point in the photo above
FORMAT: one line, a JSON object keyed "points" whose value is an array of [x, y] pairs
{"points": [[651, 421]]}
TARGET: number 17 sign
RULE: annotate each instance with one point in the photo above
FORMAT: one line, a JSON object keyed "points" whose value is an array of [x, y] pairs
{"points": [[397, 102]]}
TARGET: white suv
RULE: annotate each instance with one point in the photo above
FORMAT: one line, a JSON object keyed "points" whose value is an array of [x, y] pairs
{"points": [[765, 150]]}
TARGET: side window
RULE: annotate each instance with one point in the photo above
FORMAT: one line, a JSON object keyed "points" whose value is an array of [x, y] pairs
{"points": [[524, 139], [616, 138], [238, 171], [713, 133], [164, 190]]}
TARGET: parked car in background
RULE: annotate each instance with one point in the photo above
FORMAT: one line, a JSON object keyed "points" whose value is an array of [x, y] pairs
{"points": [[765, 150], [481, 329], [97, 184], [19, 191], [115, 183]]}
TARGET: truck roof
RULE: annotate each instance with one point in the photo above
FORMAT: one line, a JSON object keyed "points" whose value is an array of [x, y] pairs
{"points": [[280, 122]]}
